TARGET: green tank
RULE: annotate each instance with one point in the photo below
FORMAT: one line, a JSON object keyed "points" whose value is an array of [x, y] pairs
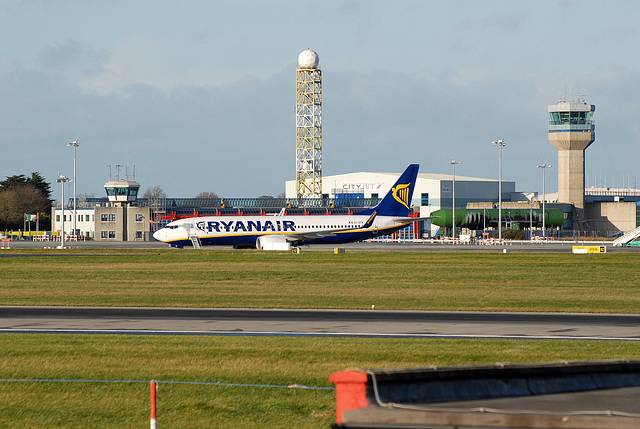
{"points": [[480, 218]]}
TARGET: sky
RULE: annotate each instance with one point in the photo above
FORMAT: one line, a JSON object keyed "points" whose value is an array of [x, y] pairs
{"points": [[200, 95]]}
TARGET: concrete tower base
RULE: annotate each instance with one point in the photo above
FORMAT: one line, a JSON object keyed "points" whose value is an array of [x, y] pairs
{"points": [[571, 147]]}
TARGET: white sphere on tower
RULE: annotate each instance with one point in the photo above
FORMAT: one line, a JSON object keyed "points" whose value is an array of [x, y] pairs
{"points": [[308, 60]]}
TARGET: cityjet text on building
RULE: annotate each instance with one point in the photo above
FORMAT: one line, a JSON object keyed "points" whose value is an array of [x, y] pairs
{"points": [[362, 186]]}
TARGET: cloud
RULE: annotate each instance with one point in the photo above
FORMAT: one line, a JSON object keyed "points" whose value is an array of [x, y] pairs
{"points": [[71, 54], [237, 138]]}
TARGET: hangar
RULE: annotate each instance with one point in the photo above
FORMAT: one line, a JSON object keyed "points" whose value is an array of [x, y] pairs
{"points": [[432, 191]]}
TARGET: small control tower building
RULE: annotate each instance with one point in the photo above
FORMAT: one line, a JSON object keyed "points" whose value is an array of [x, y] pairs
{"points": [[122, 192], [571, 131], [308, 125], [121, 219]]}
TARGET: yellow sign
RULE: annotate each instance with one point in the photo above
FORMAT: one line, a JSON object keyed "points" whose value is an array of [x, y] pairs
{"points": [[589, 249]]}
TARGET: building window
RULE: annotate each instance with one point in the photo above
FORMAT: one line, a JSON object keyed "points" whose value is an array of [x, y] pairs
{"points": [[103, 234], [112, 234], [424, 199], [103, 218], [139, 235], [57, 218], [112, 218], [139, 217], [107, 234], [86, 218]]}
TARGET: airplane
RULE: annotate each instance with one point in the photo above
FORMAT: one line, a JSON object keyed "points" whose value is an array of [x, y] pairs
{"points": [[281, 232]]}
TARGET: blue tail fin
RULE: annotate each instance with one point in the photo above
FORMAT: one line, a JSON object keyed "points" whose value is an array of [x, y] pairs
{"points": [[397, 202]]}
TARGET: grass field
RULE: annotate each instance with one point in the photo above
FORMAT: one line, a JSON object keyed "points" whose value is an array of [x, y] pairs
{"points": [[242, 360], [389, 280], [404, 280]]}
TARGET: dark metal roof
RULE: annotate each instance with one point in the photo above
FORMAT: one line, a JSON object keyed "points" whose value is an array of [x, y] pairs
{"points": [[587, 395]]}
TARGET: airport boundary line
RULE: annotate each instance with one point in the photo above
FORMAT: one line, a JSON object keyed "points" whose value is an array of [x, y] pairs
{"points": [[308, 334]]}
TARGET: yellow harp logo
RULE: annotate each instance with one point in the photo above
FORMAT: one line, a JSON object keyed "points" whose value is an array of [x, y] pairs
{"points": [[401, 194]]}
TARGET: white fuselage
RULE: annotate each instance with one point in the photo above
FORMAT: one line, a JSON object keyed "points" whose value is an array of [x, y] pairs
{"points": [[300, 229]]}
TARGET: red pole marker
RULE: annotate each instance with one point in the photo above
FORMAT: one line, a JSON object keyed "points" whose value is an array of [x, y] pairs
{"points": [[154, 389]]}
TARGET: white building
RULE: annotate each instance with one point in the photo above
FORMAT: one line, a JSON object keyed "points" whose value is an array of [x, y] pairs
{"points": [[432, 191], [85, 222]]}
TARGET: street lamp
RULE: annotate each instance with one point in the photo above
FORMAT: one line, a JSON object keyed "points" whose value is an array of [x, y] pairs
{"points": [[500, 143], [544, 198], [63, 180], [453, 162], [75, 214]]}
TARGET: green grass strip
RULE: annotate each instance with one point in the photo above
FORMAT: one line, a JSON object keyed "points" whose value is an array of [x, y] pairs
{"points": [[208, 361], [555, 282]]}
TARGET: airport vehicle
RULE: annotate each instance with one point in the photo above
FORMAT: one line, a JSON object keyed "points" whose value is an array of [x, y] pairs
{"points": [[281, 232]]}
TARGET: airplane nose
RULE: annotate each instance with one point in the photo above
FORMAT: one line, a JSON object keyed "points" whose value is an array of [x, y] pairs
{"points": [[160, 234]]}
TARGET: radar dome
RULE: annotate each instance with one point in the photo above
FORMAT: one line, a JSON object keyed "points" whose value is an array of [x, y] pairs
{"points": [[308, 60]]}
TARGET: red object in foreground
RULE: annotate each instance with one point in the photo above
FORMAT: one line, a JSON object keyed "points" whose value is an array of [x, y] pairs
{"points": [[154, 389], [351, 391]]}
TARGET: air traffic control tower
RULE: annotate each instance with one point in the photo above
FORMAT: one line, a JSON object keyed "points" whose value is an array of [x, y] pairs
{"points": [[121, 219], [571, 131]]}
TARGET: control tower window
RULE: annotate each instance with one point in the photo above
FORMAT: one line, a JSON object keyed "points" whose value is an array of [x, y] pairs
{"points": [[558, 118]]}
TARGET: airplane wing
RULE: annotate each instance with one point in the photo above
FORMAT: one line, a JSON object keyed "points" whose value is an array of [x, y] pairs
{"points": [[311, 235], [328, 232]]}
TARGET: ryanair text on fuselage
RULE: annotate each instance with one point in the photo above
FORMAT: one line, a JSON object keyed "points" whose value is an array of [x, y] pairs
{"points": [[247, 226]]}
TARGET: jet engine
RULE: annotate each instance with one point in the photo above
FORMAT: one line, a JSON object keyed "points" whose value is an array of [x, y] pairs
{"points": [[272, 242]]}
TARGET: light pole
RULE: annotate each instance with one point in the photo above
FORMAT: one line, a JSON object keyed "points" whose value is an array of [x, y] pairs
{"points": [[453, 162], [500, 143], [63, 180], [75, 214], [544, 198]]}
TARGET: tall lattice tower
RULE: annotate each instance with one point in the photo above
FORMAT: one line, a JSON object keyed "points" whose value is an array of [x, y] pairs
{"points": [[308, 125]]}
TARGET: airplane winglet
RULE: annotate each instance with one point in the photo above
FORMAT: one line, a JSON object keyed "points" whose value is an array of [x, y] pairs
{"points": [[369, 221]]}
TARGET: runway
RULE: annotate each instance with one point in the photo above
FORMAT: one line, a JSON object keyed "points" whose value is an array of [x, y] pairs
{"points": [[319, 323]]}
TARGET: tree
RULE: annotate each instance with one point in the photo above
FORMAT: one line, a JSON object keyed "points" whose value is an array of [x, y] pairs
{"points": [[82, 198], [154, 192], [23, 199], [12, 181], [36, 180], [207, 195], [20, 195]]}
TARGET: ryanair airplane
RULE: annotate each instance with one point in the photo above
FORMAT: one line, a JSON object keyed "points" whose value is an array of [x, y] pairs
{"points": [[281, 232]]}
